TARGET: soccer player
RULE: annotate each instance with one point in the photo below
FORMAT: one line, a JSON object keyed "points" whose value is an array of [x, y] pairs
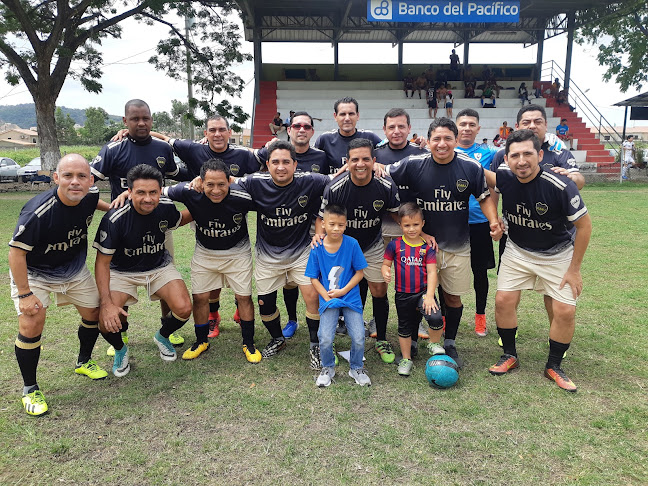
{"points": [[286, 202], [442, 183], [370, 198], [336, 142], [131, 253], [222, 254], [542, 253], [629, 151], [482, 257], [47, 253]]}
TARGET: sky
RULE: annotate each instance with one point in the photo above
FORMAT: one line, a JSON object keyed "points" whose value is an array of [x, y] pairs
{"points": [[128, 75]]}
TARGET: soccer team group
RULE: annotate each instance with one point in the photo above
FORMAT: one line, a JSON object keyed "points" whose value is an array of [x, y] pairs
{"points": [[334, 222]]}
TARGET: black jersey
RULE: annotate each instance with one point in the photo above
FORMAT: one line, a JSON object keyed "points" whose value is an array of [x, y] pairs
{"points": [[240, 160], [365, 205], [136, 241], [554, 156], [55, 236], [540, 213], [219, 226], [335, 145], [313, 160], [117, 158], [386, 155], [443, 191], [284, 213]]}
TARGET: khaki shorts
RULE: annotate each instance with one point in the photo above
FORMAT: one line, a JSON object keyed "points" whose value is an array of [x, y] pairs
{"points": [[454, 272], [375, 257], [517, 273], [273, 276], [211, 270], [81, 290], [153, 280]]}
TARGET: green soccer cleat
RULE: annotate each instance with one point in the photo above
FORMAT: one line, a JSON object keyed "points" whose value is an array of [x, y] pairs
{"points": [[34, 403], [385, 351], [176, 339], [92, 370]]}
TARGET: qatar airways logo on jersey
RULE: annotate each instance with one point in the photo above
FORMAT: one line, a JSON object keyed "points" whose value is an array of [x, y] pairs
{"points": [[524, 217], [74, 237], [412, 261]]}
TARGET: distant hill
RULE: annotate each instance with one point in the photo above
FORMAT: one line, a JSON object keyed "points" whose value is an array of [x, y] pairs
{"points": [[24, 115]]}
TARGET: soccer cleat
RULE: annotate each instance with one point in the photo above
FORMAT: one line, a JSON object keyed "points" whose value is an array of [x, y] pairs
{"points": [[360, 376], [499, 341], [273, 347], [251, 353], [385, 351], [506, 363], [341, 327], [214, 329], [290, 329], [34, 403], [194, 351], [176, 339], [236, 317], [372, 328], [435, 348], [325, 377], [167, 351], [558, 375], [315, 358], [92, 370], [405, 367], [111, 349], [422, 331], [121, 366], [480, 325], [452, 352]]}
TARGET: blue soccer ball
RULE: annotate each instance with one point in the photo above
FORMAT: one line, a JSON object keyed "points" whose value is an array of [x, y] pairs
{"points": [[441, 371]]}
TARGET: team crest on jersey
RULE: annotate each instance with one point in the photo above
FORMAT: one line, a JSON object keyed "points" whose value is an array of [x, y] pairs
{"points": [[462, 185], [378, 205], [477, 156], [96, 160], [161, 161], [548, 166], [21, 230], [303, 200], [238, 218], [575, 201], [541, 208], [315, 168], [422, 252], [89, 220], [164, 225], [102, 236], [234, 169]]}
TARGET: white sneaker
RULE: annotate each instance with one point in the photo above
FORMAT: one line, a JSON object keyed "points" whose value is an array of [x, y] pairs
{"points": [[325, 376], [435, 348], [360, 376]]}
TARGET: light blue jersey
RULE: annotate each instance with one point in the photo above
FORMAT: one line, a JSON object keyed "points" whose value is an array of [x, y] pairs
{"points": [[483, 155]]}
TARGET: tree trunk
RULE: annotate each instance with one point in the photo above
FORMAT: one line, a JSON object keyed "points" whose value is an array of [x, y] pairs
{"points": [[49, 146]]}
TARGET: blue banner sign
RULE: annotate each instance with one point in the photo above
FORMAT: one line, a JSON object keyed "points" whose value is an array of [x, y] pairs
{"points": [[443, 11]]}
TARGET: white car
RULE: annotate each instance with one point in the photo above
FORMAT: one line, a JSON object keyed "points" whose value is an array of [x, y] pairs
{"points": [[8, 169], [30, 171]]}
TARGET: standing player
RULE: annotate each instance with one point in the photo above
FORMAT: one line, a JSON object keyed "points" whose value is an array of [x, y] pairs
{"points": [[286, 202], [629, 152], [482, 256], [335, 142], [368, 198], [48, 254], [542, 253], [222, 254], [442, 184], [131, 253]]}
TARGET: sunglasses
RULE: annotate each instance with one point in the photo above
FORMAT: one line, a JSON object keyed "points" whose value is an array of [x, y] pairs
{"points": [[299, 126]]}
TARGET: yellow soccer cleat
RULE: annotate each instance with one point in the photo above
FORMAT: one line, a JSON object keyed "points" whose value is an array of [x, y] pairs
{"points": [[34, 403], [252, 354], [196, 350]]}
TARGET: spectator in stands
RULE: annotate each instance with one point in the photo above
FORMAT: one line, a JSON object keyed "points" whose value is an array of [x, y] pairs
{"points": [[563, 99], [429, 75], [498, 141], [287, 121], [277, 126], [414, 138], [523, 93], [484, 142], [505, 131], [454, 62], [486, 74], [488, 94], [563, 133], [408, 84], [420, 84], [496, 87], [470, 82], [555, 88], [448, 104], [432, 102]]}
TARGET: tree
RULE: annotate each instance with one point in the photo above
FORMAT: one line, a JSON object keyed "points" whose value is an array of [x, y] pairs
{"points": [[39, 40], [177, 123], [94, 130], [621, 33], [65, 131]]}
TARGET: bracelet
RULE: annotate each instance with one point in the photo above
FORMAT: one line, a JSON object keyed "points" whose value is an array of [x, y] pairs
{"points": [[23, 296]]}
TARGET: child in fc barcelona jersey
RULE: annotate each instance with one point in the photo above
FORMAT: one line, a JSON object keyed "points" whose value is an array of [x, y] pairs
{"points": [[415, 283]]}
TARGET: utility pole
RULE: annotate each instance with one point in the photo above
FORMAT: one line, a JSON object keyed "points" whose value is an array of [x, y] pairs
{"points": [[188, 23]]}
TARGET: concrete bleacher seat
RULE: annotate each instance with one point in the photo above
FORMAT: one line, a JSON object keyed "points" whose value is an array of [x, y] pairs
{"points": [[377, 97]]}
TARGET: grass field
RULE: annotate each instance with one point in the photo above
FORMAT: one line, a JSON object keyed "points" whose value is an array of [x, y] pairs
{"points": [[220, 420], [23, 156]]}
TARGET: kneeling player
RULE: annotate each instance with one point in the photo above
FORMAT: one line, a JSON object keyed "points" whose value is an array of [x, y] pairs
{"points": [[543, 253], [130, 254], [48, 254], [222, 253]]}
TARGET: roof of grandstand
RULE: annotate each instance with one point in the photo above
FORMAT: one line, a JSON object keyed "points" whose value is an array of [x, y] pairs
{"points": [[639, 100]]}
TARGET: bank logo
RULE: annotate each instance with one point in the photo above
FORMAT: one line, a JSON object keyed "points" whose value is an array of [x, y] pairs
{"points": [[381, 9], [378, 205], [575, 201], [303, 200], [164, 226], [541, 208], [238, 218], [161, 162], [462, 185]]}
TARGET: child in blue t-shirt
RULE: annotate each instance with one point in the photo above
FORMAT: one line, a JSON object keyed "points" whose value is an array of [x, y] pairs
{"points": [[335, 269]]}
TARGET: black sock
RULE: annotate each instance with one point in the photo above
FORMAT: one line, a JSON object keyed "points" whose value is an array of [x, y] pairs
{"points": [[364, 289], [508, 340], [201, 330], [556, 352], [381, 313], [247, 331], [88, 333], [290, 299], [124, 326], [453, 318], [214, 306], [170, 324], [28, 353], [114, 339], [480, 282], [313, 327], [274, 327]]}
